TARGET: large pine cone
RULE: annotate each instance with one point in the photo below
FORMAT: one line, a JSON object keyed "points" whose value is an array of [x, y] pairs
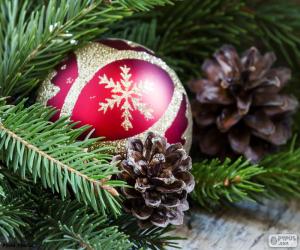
{"points": [[239, 107], [160, 179]]}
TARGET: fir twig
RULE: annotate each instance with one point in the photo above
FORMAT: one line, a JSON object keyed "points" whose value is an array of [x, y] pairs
{"points": [[278, 25], [68, 225], [43, 36], [147, 238], [232, 181], [277, 176], [144, 5], [282, 176], [15, 212], [46, 151]]}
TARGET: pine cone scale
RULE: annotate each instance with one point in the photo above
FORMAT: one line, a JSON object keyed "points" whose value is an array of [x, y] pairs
{"points": [[130, 192], [227, 119], [187, 179], [229, 61], [152, 199], [210, 141], [205, 115], [212, 70], [239, 140], [142, 212], [175, 187], [289, 104], [214, 94], [279, 137], [261, 123], [244, 103]]}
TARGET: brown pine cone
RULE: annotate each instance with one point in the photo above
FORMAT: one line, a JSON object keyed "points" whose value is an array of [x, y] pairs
{"points": [[240, 107], [159, 175]]}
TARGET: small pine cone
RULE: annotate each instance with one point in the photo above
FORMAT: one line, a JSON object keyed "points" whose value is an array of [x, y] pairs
{"points": [[159, 175], [240, 108]]}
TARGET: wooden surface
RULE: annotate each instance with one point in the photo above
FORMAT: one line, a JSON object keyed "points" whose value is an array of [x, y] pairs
{"points": [[242, 228]]}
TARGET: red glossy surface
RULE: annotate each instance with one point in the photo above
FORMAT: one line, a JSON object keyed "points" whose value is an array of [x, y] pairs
{"points": [[109, 124]]}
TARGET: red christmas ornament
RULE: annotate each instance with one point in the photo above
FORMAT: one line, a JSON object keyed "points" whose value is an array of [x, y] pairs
{"points": [[122, 90]]}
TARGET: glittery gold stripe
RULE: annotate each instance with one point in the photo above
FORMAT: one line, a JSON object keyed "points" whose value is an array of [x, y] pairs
{"points": [[47, 89]]}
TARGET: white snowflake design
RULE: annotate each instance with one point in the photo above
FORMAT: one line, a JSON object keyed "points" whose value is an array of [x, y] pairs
{"points": [[127, 94]]}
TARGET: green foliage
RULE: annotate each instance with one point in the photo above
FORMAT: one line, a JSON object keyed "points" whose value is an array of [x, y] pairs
{"points": [[2, 192], [147, 238], [33, 39], [68, 225], [189, 31], [277, 176], [12, 214], [282, 176], [230, 180], [46, 151], [15, 212], [144, 5], [278, 25]]}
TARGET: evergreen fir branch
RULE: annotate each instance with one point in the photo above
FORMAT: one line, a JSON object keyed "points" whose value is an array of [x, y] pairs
{"points": [[277, 176], [144, 5], [15, 212], [2, 192], [278, 25], [34, 41], [64, 223], [188, 32], [49, 152], [230, 181], [282, 176], [69, 225], [147, 238]]}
